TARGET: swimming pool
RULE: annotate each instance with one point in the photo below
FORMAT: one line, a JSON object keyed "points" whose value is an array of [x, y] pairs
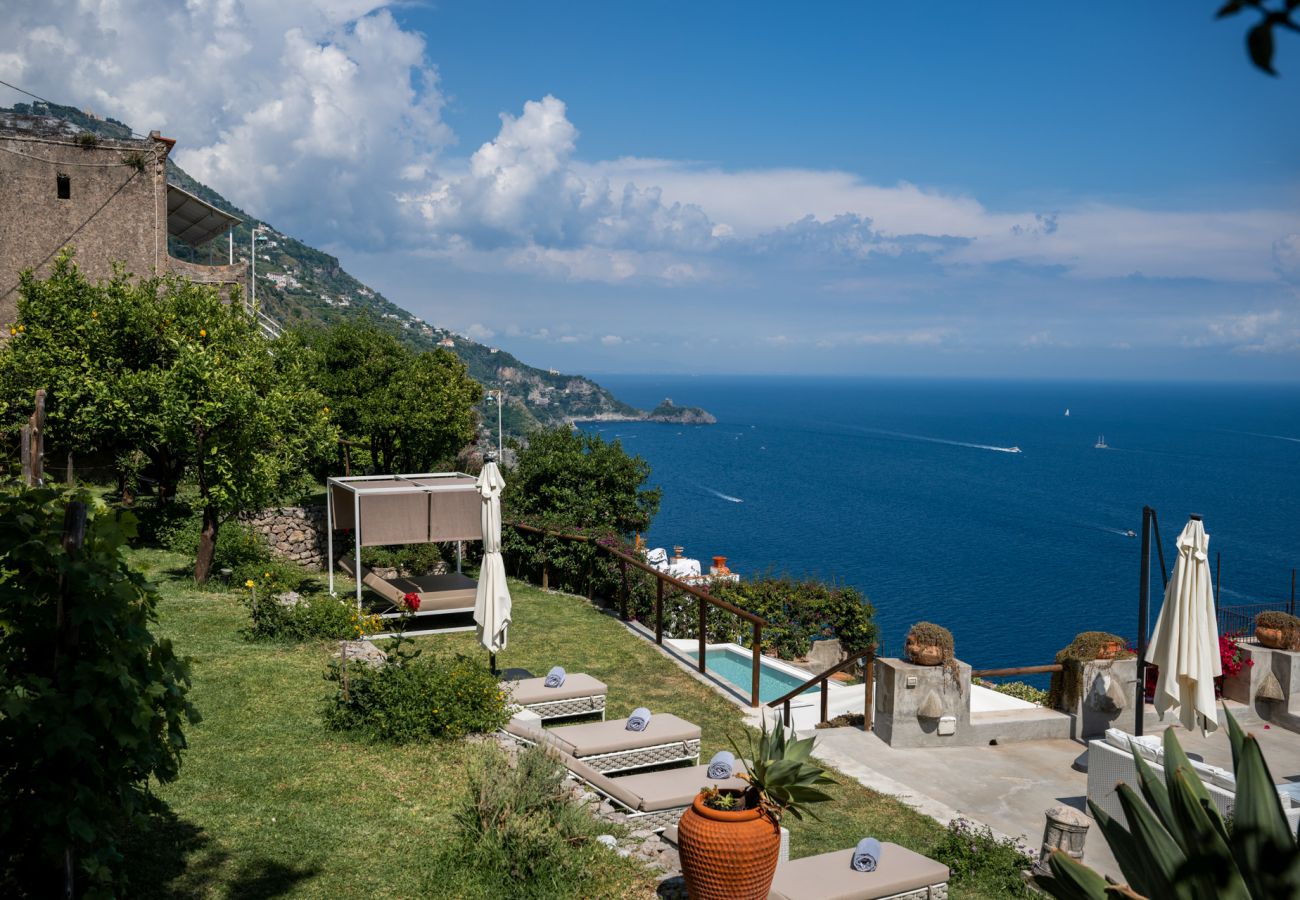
{"points": [[736, 668]]}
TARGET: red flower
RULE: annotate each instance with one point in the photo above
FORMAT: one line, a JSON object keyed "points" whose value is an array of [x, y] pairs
{"points": [[412, 602]]}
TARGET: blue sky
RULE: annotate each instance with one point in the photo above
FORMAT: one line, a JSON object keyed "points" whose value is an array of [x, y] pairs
{"points": [[1012, 189]]}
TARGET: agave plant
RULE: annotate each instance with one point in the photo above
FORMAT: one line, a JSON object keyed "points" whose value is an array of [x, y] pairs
{"points": [[1177, 845], [782, 773]]}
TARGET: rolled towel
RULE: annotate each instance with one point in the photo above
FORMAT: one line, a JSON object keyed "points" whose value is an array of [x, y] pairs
{"points": [[866, 855], [723, 765], [639, 719], [555, 677]]}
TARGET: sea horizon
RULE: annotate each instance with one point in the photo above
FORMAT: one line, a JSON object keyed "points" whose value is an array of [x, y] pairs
{"points": [[911, 489]]}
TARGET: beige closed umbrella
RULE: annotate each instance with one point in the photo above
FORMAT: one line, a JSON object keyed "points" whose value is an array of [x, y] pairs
{"points": [[1185, 645], [492, 598]]}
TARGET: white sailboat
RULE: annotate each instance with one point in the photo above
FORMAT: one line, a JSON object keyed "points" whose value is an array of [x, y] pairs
{"points": [[1101, 443], [1067, 412]]}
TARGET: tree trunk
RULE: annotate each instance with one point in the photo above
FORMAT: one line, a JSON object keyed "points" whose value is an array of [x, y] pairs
{"points": [[207, 544]]}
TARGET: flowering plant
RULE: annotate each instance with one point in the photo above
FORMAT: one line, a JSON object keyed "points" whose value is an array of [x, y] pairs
{"points": [[411, 602], [1231, 659]]}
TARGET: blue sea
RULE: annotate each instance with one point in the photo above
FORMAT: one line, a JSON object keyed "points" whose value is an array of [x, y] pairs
{"points": [[906, 490]]}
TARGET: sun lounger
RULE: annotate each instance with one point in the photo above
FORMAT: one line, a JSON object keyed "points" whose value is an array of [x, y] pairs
{"points": [[580, 695], [609, 747], [653, 800], [450, 593], [901, 875]]}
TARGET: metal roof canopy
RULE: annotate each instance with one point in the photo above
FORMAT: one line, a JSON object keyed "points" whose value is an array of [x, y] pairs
{"points": [[402, 509], [195, 221]]}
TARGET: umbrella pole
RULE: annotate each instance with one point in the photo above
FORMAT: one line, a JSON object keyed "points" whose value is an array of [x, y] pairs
{"points": [[1144, 603], [492, 662]]}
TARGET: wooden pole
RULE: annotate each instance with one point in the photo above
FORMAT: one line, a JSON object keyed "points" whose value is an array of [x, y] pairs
{"points": [[869, 676], [72, 478], [758, 662], [703, 627], [25, 453], [38, 439], [826, 691], [659, 612], [546, 577]]}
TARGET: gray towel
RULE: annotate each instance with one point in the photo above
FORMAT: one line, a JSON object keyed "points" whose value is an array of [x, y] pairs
{"points": [[723, 765], [639, 719], [555, 677], [866, 855]]}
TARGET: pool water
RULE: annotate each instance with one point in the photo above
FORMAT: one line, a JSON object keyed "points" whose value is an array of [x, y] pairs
{"points": [[737, 669]]}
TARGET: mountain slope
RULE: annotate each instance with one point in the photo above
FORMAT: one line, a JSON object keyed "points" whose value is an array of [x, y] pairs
{"points": [[300, 285]]}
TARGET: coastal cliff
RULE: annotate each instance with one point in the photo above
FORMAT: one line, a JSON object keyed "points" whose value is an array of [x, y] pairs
{"points": [[666, 412]]}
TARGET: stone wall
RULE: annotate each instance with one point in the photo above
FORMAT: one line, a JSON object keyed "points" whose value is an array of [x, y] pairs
{"points": [[294, 532]]}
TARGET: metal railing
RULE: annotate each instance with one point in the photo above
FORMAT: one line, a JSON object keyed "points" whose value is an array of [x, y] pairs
{"points": [[627, 561], [868, 680], [1239, 619]]}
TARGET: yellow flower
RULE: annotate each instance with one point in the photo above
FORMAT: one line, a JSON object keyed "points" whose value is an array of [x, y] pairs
{"points": [[266, 574], [94, 314], [203, 332], [22, 327], [327, 410], [13, 331], [248, 583]]}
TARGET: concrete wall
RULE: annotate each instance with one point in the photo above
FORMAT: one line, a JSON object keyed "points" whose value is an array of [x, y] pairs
{"points": [[296, 533], [1108, 698], [1245, 686], [905, 690]]}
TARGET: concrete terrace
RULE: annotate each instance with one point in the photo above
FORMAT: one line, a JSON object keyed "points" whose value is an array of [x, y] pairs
{"points": [[1008, 787]]}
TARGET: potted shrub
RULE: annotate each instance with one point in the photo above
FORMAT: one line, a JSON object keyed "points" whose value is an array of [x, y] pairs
{"points": [[1277, 630], [730, 840], [1087, 646], [928, 644]]}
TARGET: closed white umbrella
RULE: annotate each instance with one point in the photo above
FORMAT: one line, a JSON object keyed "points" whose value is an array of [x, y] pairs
{"points": [[492, 599], [1186, 641]]}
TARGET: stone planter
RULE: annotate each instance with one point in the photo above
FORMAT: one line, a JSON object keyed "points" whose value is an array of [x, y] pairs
{"points": [[727, 855]]}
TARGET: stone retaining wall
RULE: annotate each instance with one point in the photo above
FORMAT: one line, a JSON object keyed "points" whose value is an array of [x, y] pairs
{"points": [[293, 532]]}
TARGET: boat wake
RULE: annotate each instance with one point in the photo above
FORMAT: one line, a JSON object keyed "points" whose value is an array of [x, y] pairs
{"points": [[935, 440], [720, 495], [1276, 437]]}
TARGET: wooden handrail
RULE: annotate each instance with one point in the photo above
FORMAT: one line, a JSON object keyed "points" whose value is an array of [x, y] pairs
{"points": [[645, 567], [838, 667], [868, 680], [1018, 670], [704, 597]]}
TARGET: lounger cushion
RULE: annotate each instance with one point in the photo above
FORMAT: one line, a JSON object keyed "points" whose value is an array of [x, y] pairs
{"points": [[613, 787], [613, 737], [534, 690], [830, 876], [671, 788]]}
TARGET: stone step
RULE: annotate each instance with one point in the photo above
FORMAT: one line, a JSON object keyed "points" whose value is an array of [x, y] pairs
{"points": [[1009, 726]]}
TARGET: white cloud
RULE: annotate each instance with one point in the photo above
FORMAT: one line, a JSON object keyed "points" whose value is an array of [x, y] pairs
{"points": [[611, 340], [480, 332], [313, 113], [522, 190]]}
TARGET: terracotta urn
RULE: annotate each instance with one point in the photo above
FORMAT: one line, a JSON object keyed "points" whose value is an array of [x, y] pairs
{"points": [[922, 654], [727, 855], [1273, 638], [1109, 650]]}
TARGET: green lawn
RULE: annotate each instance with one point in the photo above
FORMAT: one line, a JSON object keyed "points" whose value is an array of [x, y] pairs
{"points": [[270, 804]]}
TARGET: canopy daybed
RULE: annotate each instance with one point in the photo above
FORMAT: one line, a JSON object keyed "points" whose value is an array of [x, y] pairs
{"points": [[407, 509]]}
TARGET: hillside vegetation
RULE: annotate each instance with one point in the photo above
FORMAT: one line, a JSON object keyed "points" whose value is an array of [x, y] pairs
{"points": [[298, 285]]}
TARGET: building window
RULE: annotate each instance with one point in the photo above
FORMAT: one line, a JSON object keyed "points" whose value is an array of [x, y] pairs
{"points": [[65, 187]]}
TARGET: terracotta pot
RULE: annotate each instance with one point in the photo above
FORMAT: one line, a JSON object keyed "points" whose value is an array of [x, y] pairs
{"points": [[1273, 638], [1109, 650], [727, 855], [921, 654]]}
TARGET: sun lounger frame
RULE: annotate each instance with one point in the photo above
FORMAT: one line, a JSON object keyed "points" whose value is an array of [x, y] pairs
{"points": [[570, 708]]}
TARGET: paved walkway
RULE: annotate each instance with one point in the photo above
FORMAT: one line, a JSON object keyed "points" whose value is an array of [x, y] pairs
{"points": [[1009, 787]]}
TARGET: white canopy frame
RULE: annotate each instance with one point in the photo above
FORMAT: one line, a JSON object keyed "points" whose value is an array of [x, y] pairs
{"points": [[456, 492]]}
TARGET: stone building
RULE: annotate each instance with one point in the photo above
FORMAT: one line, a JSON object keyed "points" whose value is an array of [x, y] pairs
{"points": [[106, 198]]}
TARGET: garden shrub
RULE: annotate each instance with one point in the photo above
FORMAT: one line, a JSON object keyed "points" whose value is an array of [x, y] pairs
{"points": [[1019, 689], [315, 616], [415, 696], [90, 710], [978, 859], [413, 559], [518, 829]]}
